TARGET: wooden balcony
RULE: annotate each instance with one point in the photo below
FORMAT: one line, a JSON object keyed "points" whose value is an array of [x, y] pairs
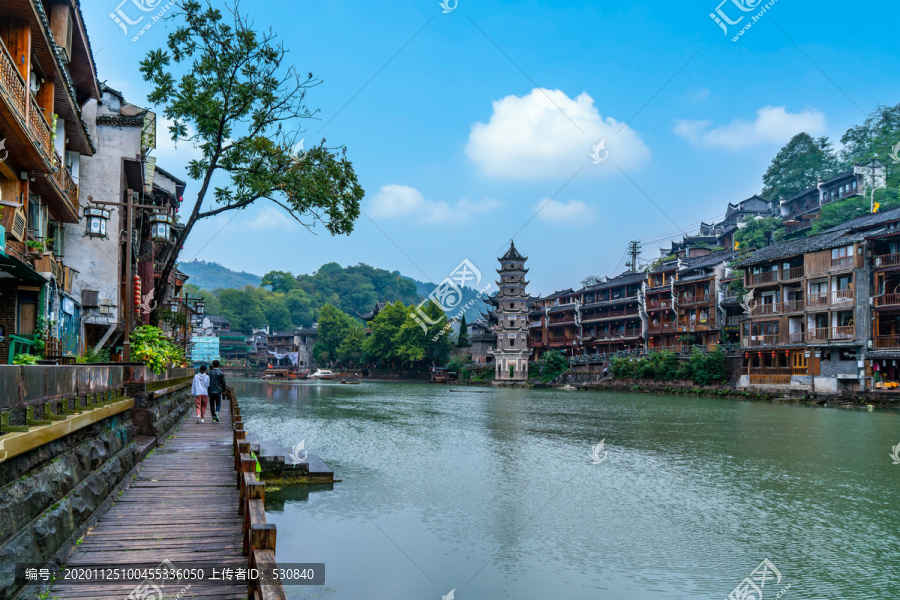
{"points": [[887, 341], [760, 340], [792, 306], [659, 304], [736, 320], [766, 309], [819, 334], [843, 261], [662, 327], [796, 337], [535, 343], [792, 273], [763, 278], [887, 300], [886, 260], [692, 300], [814, 300], [842, 296], [35, 132], [771, 376], [843, 333], [48, 263]]}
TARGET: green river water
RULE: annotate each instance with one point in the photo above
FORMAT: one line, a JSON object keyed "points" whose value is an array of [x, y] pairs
{"points": [[492, 493]]}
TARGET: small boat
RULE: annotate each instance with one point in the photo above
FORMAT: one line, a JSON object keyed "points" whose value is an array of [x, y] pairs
{"points": [[322, 374], [344, 381]]}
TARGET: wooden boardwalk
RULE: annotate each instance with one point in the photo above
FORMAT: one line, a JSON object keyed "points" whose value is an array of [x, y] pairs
{"points": [[182, 507]]}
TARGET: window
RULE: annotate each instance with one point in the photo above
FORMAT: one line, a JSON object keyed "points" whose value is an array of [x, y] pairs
{"points": [[37, 217], [842, 252], [853, 185]]}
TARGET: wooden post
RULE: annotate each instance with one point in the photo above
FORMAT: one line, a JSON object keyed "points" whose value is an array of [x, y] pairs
{"points": [[248, 465]]}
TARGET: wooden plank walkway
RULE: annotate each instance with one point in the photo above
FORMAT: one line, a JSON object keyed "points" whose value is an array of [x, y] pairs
{"points": [[181, 507]]}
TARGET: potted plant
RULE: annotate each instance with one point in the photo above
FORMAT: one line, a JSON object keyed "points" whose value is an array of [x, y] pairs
{"points": [[35, 248]]}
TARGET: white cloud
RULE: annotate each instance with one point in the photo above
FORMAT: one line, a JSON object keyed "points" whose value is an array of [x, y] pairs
{"points": [[699, 94], [401, 201], [529, 137], [773, 125], [573, 212], [272, 218]]}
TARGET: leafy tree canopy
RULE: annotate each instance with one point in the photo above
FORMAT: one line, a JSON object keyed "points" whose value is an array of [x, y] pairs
{"points": [[798, 165]]}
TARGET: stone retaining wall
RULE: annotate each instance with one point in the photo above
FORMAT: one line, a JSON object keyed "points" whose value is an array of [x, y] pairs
{"points": [[51, 494]]}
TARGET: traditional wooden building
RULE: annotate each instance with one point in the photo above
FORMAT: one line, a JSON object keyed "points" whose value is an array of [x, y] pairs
{"points": [[510, 319], [662, 327], [47, 73], [609, 315], [695, 297]]}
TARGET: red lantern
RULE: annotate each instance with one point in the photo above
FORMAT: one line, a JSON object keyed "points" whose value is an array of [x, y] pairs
{"points": [[760, 354], [137, 295], [746, 355], [773, 354]]}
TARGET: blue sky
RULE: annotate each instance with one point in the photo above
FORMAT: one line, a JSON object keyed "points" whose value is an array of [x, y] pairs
{"points": [[470, 127]]}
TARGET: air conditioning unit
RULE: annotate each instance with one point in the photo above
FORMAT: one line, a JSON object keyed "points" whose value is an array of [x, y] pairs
{"points": [[14, 220], [90, 299]]}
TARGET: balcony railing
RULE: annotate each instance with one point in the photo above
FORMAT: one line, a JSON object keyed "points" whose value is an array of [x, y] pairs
{"points": [[843, 333], [766, 309], [733, 320], [16, 93], [887, 260], [842, 296], [771, 376], [660, 304], [661, 327], [843, 261], [39, 126], [887, 341], [792, 273], [764, 277], [887, 300], [817, 299], [792, 306], [689, 300], [761, 340], [818, 334], [796, 337], [66, 184]]}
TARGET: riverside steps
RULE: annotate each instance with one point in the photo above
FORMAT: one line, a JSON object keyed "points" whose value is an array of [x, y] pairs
{"points": [[194, 501]]}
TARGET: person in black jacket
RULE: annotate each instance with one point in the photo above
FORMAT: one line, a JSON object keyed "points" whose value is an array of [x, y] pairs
{"points": [[216, 389]]}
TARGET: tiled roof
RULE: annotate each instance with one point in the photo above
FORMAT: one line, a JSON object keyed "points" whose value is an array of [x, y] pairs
{"points": [[708, 260], [625, 278], [512, 253], [823, 241], [869, 220]]}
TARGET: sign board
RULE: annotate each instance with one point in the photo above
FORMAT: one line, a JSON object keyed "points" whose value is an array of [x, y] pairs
{"points": [[68, 306], [846, 376], [2, 240]]}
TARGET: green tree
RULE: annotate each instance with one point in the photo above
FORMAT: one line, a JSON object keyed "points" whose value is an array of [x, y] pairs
{"points": [[874, 139], [350, 352], [242, 308], [798, 165], [431, 344], [463, 340], [279, 281], [383, 343], [300, 305], [229, 91], [333, 326], [754, 233], [278, 317], [553, 363]]}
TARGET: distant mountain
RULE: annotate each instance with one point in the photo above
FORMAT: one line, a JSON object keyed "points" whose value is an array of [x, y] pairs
{"points": [[469, 294], [212, 276]]}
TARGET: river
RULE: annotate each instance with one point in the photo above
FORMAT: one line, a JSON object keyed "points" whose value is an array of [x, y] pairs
{"points": [[493, 493]]}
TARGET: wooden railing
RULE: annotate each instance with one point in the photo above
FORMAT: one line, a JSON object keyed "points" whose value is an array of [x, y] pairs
{"points": [[887, 260], [764, 277], [796, 337], [842, 296], [843, 261], [689, 300], [761, 340], [766, 309], [771, 376], [258, 535], [660, 304], [66, 184], [818, 334], [887, 300], [843, 333], [733, 320], [792, 273], [11, 82], [887, 341], [793, 306], [39, 127], [817, 299], [662, 327]]}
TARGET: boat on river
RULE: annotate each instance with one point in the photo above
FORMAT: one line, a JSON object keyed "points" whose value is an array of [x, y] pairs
{"points": [[323, 374]]}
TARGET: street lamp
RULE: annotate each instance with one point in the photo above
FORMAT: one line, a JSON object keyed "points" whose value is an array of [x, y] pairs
{"points": [[95, 220], [160, 227]]}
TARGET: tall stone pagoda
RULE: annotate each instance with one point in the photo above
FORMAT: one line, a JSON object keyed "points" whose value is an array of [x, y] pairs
{"points": [[510, 319]]}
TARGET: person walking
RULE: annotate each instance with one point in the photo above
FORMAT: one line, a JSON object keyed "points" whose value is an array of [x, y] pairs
{"points": [[216, 389], [200, 390]]}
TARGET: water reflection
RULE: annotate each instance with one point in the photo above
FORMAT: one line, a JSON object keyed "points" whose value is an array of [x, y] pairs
{"points": [[694, 494]]}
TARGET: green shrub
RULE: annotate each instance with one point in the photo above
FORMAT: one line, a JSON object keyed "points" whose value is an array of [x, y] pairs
{"points": [[151, 346], [25, 359]]}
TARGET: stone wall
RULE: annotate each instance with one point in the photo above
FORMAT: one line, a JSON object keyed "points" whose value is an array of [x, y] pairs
{"points": [[52, 493]]}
